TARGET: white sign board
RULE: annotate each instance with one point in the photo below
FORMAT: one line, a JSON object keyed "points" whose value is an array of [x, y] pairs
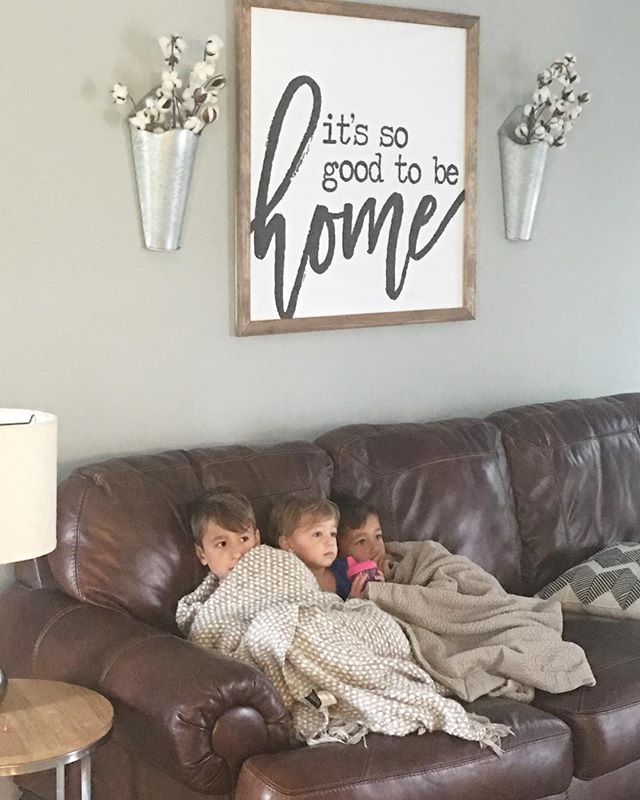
{"points": [[357, 154]]}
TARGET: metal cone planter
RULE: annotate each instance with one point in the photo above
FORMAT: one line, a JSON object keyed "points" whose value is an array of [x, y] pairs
{"points": [[164, 165], [522, 173]]}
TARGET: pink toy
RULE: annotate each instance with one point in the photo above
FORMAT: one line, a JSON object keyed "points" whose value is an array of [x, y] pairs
{"points": [[369, 568]]}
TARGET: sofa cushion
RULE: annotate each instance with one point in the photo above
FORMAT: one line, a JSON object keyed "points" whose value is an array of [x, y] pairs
{"points": [[537, 761], [574, 469], [603, 718], [607, 585], [445, 481], [123, 533]]}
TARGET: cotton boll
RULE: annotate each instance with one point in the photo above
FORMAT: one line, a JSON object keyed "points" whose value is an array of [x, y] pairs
{"points": [[120, 93]]}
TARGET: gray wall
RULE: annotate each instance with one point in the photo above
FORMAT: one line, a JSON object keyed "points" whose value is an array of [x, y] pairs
{"points": [[134, 350]]}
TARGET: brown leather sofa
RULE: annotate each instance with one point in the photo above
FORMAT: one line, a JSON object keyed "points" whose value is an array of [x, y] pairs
{"points": [[525, 493]]}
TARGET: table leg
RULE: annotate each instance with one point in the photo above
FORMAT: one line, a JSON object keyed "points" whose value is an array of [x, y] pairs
{"points": [[85, 777], [60, 782]]}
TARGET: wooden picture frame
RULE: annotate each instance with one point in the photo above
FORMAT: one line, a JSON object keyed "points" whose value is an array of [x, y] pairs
{"points": [[357, 141]]}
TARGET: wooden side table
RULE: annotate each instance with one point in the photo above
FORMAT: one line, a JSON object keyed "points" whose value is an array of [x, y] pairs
{"points": [[46, 724]]}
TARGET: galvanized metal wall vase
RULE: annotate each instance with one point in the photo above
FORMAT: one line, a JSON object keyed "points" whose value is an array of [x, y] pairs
{"points": [[527, 135], [522, 173], [164, 165], [165, 131]]}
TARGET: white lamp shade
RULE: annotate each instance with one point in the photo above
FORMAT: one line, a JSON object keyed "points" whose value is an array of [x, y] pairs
{"points": [[28, 471]]}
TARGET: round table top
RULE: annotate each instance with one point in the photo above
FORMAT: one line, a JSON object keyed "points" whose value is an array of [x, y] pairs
{"points": [[45, 724]]}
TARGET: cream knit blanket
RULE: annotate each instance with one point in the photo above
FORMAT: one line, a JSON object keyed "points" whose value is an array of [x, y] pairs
{"points": [[471, 635], [342, 669]]}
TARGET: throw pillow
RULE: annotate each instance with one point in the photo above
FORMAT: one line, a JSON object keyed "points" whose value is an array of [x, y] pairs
{"points": [[607, 585]]}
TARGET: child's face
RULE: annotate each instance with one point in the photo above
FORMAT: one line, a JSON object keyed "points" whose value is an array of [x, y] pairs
{"points": [[222, 549], [364, 543], [315, 543]]}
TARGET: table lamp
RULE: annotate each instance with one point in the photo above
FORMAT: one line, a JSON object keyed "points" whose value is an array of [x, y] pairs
{"points": [[28, 447]]}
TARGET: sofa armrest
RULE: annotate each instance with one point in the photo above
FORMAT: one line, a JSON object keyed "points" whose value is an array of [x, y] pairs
{"points": [[192, 712]]}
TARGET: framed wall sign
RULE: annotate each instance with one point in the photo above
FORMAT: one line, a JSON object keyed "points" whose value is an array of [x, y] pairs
{"points": [[356, 166]]}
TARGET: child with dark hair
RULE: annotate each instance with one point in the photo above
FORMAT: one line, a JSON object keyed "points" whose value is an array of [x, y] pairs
{"points": [[359, 531], [308, 527]]}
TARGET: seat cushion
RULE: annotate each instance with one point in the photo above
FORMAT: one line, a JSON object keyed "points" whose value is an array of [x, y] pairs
{"points": [[537, 762], [603, 718]]}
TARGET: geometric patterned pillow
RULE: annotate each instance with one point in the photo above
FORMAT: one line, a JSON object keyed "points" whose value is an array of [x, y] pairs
{"points": [[607, 585]]}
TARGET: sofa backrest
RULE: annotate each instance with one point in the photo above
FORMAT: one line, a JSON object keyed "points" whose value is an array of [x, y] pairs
{"points": [[575, 472], [441, 480], [573, 467], [123, 534]]}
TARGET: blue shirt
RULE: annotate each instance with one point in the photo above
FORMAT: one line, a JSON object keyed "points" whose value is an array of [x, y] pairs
{"points": [[343, 584]]}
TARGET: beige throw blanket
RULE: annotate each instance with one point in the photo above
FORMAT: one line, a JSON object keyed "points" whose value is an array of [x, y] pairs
{"points": [[469, 634], [342, 669]]}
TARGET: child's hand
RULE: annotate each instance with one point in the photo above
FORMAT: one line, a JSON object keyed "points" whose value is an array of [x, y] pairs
{"points": [[383, 562], [384, 566], [358, 588]]}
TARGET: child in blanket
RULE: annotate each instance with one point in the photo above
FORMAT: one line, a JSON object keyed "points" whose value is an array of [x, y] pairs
{"points": [[308, 527], [224, 530]]}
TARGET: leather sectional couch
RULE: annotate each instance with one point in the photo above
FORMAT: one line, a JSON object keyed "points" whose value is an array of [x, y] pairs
{"points": [[525, 493]]}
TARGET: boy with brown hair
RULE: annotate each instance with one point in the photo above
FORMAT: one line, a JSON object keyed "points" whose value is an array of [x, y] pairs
{"points": [[224, 529], [223, 525], [308, 527]]}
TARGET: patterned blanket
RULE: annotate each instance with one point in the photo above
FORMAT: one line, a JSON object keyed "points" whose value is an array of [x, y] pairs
{"points": [[342, 669], [470, 634]]}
